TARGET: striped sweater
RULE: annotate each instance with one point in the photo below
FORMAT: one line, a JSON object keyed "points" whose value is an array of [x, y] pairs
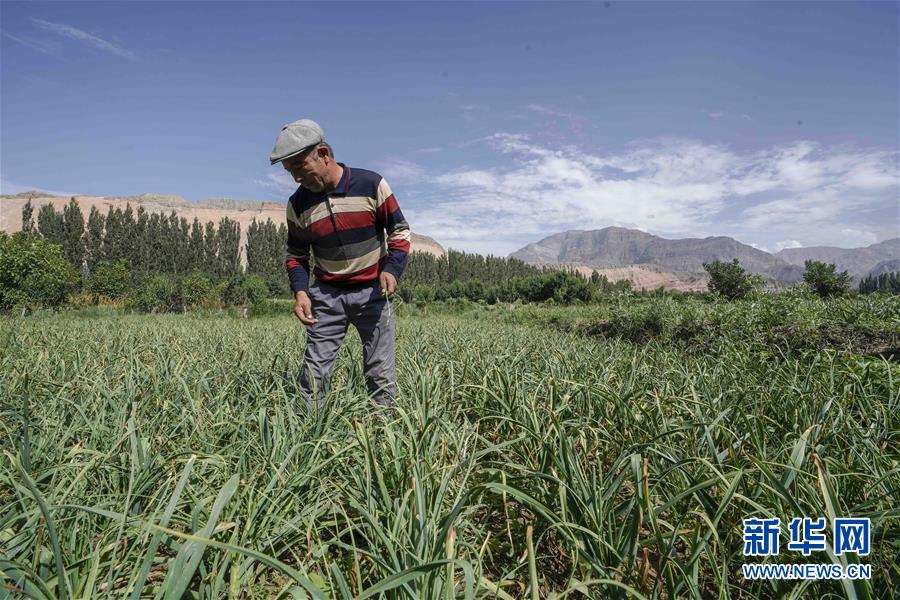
{"points": [[342, 232]]}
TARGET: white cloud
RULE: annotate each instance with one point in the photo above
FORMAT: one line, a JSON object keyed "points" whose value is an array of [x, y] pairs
{"points": [[469, 178], [401, 171], [797, 191], [800, 193], [857, 237], [84, 37], [787, 244], [279, 182], [715, 115]]}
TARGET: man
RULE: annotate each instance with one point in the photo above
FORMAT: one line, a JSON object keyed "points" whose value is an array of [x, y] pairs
{"points": [[344, 227]]}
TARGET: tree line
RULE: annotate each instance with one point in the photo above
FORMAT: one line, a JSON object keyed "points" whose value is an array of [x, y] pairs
{"points": [[731, 281], [154, 261], [160, 262], [492, 279], [156, 242], [886, 283]]}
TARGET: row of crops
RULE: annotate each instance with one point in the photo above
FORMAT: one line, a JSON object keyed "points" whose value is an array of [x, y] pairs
{"points": [[531, 456]]}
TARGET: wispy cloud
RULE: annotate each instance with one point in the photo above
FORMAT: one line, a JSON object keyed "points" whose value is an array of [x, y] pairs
{"points": [[800, 192], [546, 110], [470, 112], [48, 47], [9, 188], [715, 115], [401, 171], [278, 183], [84, 37]]}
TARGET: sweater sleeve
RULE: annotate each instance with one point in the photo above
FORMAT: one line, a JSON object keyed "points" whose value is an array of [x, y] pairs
{"points": [[297, 252], [389, 218]]}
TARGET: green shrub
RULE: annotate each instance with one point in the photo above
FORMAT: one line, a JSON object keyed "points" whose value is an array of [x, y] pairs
{"points": [[33, 272], [471, 289], [730, 280], [245, 289], [196, 289], [824, 279], [279, 286], [109, 280], [562, 288], [157, 293], [416, 293]]}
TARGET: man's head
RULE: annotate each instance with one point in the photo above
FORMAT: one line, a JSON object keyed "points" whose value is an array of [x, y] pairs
{"points": [[302, 150], [313, 168]]}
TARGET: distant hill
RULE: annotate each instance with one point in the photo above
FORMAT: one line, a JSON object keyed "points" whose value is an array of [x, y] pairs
{"points": [[859, 262], [650, 277], [680, 259], [885, 266], [242, 211]]}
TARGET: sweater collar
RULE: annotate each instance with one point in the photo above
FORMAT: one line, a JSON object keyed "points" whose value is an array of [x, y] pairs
{"points": [[344, 183]]}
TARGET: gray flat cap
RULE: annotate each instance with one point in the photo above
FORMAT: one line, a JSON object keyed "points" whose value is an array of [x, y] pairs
{"points": [[295, 138]]}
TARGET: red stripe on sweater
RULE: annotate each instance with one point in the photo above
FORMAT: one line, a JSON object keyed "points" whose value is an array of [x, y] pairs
{"points": [[293, 263], [399, 245], [361, 276], [347, 220], [388, 206]]}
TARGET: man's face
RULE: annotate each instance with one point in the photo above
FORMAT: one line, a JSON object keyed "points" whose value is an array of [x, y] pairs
{"points": [[308, 169]]}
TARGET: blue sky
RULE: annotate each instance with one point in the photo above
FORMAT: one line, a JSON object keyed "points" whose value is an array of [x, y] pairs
{"points": [[496, 124]]}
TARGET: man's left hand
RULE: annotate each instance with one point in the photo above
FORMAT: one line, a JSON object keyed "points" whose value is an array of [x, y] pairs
{"points": [[387, 283]]}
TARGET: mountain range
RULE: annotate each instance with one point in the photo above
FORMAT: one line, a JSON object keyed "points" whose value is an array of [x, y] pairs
{"points": [[678, 263]]}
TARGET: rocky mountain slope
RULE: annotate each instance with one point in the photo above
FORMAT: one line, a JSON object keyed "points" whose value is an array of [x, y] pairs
{"points": [[650, 277], [649, 261], [859, 262], [619, 247]]}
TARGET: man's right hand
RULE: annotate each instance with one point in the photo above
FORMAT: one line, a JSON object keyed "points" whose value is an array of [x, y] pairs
{"points": [[303, 309]]}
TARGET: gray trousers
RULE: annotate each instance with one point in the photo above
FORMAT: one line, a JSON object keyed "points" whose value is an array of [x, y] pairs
{"points": [[336, 308]]}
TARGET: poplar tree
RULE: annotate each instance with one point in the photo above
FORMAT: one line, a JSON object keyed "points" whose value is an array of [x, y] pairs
{"points": [[274, 248], [27, 217], [128, 247], [195, 246], [254, 247], [140, 241], [73, 234], [228, 238], [184, 239], [50, 224], [210, 248], [112, 235], [264, 247], [154, 262], [93, 238], [170, 242]]}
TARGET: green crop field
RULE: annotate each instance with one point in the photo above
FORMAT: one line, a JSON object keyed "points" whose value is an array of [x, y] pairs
{"points": [[593, 452]]}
